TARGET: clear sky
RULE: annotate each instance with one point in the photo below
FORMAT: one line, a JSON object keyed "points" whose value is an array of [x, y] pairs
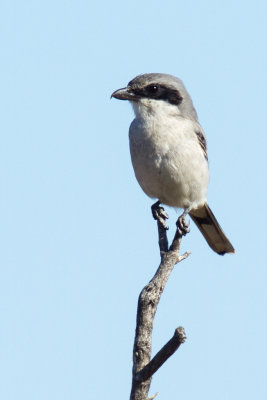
{"points": [[78, 242]]}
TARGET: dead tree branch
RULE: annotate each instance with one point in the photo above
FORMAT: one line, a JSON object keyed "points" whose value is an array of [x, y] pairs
{"points": [[143, 366]]}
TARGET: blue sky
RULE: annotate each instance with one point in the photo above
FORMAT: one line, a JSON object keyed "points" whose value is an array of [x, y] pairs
{"points": [[77, 238]]}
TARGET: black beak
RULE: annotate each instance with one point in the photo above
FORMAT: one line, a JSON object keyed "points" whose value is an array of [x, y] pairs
{"points": [[124, 94]]}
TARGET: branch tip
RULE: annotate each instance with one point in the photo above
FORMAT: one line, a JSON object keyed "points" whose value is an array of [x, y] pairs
{"points": [[180, 334], [152, 397], [184, 256]]}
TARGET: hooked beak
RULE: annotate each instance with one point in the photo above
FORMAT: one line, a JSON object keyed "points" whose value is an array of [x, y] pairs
{"points": [[124, 94]]}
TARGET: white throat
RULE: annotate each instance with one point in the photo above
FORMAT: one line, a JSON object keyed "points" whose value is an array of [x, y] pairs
{"points": [[147, 108]]}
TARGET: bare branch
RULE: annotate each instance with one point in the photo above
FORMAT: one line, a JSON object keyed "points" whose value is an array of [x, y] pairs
{"points": [[166, 352], [143, 368]]}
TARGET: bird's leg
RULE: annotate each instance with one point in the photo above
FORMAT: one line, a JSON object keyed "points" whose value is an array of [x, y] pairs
{"points": [[159, 214], [182, 225]]}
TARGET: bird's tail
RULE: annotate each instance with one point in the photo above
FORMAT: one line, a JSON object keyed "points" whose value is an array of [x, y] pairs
{"points": [[211, 230]]}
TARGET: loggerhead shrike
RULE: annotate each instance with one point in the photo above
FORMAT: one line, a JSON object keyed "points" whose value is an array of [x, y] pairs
{"points": [[169, 152]]}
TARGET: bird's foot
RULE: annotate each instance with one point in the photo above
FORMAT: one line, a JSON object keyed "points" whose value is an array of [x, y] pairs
{"points": [[182, 225], [159, 214]]}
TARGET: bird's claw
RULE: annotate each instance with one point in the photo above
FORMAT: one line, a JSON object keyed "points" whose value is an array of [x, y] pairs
{"points": [[159, 214], [182, 225]]}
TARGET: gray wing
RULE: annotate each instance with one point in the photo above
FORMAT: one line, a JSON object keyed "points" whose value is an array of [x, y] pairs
{"points": [[202, 142]]}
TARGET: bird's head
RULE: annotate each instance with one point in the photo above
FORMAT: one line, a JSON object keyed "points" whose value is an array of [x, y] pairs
{"points": [[157, 92]]}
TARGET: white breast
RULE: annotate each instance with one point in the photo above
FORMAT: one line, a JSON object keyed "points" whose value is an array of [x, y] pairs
{"points": [[168, 161]]}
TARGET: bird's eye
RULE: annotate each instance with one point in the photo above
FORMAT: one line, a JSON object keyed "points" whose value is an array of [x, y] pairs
{"points": [[153, 88]]}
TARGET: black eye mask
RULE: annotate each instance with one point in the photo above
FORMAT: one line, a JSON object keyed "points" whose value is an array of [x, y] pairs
{"points": [[159, 92]]}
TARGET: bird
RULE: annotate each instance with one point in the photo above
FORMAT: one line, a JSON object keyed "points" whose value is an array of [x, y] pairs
{"points": [[169, 152]]}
